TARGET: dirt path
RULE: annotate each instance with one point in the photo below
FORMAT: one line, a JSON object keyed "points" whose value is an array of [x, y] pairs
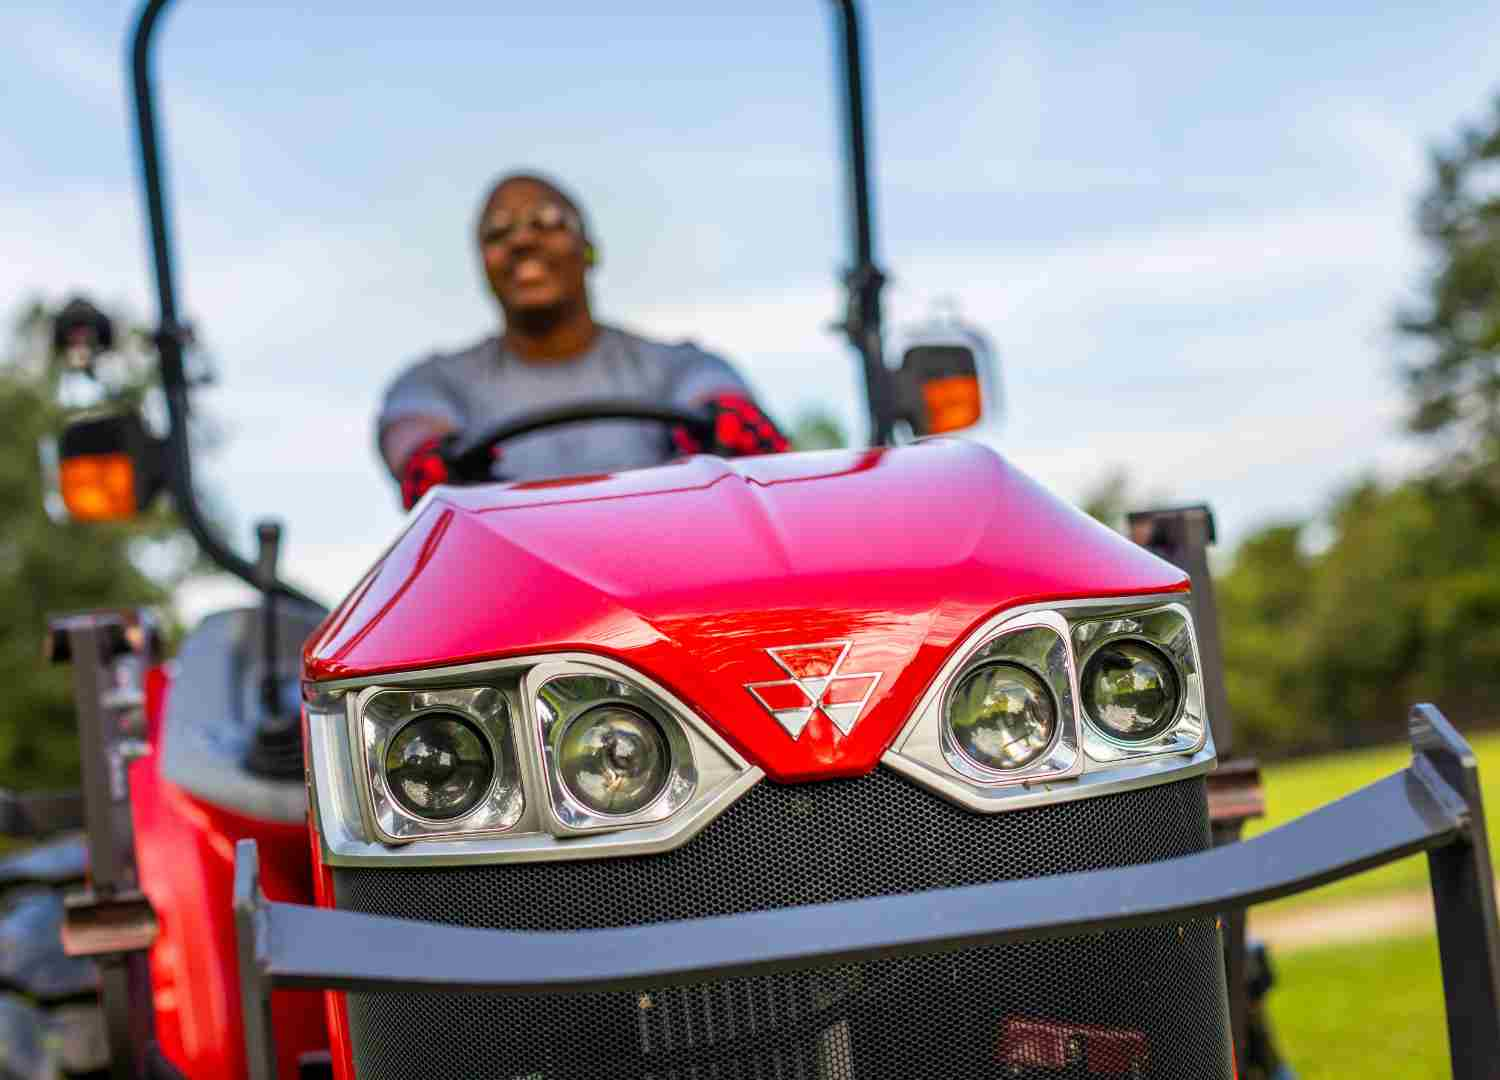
{"points": [[1397, 915]]}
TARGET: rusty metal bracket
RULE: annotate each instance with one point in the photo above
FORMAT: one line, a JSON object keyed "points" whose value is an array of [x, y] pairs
{"points": [[109, 652], [1235, 793], [99, 926]]}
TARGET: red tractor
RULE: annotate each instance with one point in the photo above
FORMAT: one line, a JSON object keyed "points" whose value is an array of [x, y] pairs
{"points": [[853, 765]]}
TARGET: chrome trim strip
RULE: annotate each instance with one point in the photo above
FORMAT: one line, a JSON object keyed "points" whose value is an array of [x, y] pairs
{"points": [[1146, 772], [543, 847]]}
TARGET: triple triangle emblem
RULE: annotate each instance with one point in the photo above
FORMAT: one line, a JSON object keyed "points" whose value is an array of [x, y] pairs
{"points": [[818, 683]]}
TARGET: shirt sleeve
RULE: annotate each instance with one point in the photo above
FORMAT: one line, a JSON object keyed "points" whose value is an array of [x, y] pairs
{"points": [[699, 375], [420, 390]]}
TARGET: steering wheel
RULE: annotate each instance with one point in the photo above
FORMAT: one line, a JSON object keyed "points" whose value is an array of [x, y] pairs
{"points": [[471, 459]]}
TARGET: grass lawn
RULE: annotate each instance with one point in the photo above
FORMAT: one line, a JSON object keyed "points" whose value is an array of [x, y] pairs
{"points": [[1293, 788], [1348, 1012]]}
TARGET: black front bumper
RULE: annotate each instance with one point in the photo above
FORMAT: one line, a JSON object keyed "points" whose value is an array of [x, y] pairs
{"points": [[928, 937]]}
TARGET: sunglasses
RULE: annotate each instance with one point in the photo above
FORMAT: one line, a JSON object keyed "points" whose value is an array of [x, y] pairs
{"points": [[501, 228]]}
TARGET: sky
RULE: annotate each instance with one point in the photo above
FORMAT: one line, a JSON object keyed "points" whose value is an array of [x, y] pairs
{"points": [[1185, 229]]}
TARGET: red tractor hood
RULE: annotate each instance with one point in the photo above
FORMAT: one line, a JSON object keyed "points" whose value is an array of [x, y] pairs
{"points": [[713, 576]]}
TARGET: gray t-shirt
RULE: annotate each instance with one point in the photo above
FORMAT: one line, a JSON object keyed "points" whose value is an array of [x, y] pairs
{"points": [[486, 385]]}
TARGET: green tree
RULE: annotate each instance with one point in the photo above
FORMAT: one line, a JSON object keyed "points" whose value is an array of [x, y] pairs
{"points": [[1402, 605], [1455, 382], [47, 566], [1263, 601], [817, 429]]}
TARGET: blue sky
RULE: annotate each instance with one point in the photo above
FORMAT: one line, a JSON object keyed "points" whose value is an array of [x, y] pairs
{"points": [[1186, 229]]}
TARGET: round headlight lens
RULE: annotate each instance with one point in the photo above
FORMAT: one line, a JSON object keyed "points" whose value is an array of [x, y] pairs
{"points": [[1130, 690], [438, 766], [614, 759], [1002, 716]]}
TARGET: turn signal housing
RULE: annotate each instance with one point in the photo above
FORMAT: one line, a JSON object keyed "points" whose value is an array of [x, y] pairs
{"points": [[109, 467], [943, 387]]}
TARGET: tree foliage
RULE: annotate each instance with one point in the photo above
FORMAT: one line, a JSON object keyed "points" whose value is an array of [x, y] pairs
{"points": [[817, 429], [47, 566], [1455, 382], [1403, 605]]}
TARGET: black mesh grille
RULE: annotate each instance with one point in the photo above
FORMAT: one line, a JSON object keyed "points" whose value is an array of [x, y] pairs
{"points": [[1145, 1002]]}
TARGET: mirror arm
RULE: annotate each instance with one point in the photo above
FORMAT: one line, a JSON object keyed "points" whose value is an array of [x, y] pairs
{"points": [[171, 336]]}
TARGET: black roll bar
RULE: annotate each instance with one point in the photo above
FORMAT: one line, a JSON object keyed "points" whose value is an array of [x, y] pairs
{"points": [[171, 334], [1433, 805], [863, 281]]}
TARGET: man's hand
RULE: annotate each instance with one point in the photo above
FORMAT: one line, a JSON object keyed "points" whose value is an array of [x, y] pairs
{"points": [[740, 430], [424, 468], [432, 463]]}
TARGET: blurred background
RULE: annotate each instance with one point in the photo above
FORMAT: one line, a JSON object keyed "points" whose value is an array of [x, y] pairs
{"points": [[1245, 259]]}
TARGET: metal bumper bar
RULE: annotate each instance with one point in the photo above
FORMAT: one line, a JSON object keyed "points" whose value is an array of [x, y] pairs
{"points": [[1432, 806]]}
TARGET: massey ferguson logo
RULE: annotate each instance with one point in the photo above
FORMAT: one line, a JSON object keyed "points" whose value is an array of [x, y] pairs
{"points": [[818, 683]]}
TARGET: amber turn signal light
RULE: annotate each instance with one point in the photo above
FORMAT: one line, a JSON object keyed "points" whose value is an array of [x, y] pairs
{"points": [[98, 487], [941, 387], [953, 403], [109, 466]]}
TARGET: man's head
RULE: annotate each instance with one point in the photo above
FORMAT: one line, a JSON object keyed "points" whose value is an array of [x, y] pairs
{"points": [[534, 242]]}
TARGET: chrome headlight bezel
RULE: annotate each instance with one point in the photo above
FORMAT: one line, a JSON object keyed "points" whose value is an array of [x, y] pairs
{"points": [[924, 753], [552, 709], [1037, 643], [345, 792], [1168, 628], [385, 712]]}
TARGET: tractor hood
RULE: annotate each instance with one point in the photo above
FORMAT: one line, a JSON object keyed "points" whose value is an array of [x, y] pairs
{"points": [[694, 571]]}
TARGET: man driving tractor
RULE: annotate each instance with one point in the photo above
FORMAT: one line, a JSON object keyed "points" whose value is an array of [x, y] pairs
{"points": [[536, 249]]}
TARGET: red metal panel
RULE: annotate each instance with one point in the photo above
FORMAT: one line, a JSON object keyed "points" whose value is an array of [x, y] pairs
{"points": [[692, 571], [335, 1005], [185, 852]]}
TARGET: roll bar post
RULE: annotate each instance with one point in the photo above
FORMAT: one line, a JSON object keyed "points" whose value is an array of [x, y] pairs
{"points": [[171, 334], [864, 280]]}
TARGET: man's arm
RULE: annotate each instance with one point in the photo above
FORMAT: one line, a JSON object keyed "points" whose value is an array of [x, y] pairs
{"points": [[741, 427], [399, 439], [417, 414]]}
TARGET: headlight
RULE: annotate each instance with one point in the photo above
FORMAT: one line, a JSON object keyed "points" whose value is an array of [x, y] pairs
{"points": [[438, 766], [615, 754], [614, 759], [440, 763], [1131, 690], [1002, 716]]}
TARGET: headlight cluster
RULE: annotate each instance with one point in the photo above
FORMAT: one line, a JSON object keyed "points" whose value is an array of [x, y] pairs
{"points": [[551, 748], [1072, 691]]}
